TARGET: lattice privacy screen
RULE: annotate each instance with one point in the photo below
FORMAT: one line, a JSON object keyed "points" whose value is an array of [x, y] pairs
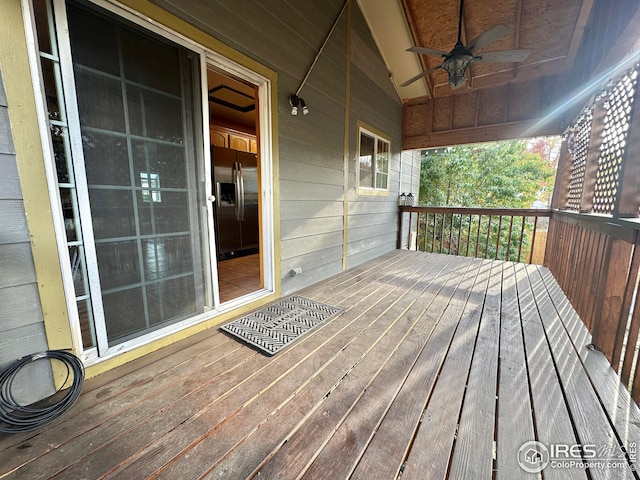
{"points": [[578, 147], [618, 105]]}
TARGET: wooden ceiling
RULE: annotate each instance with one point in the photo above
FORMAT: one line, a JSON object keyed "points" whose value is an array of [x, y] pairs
{"points": [[577, 47], [551, 29]]}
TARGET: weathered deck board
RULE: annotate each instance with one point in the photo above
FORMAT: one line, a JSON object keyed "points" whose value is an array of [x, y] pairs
{"points": [[622, 411], [589, 419], [473, 456], [438, 367], [553, 422], [432, 445], [284, 377], [311, 439], [515, 414], [393, 437], [310, 432]]}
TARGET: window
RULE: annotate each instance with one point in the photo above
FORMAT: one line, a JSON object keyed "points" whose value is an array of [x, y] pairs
{"points": [[373, 162], [150, 183]]}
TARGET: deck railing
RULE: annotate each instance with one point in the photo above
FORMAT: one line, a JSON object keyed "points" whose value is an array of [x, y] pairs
{"points": [[518, 235], [596, 261]]}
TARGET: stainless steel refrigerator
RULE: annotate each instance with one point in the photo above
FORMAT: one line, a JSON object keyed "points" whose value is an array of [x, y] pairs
{"points": [[235, 177]]}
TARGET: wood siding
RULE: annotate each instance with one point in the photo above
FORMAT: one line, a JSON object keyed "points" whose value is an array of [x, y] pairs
{"points": [[22, 325], [286, 37]]}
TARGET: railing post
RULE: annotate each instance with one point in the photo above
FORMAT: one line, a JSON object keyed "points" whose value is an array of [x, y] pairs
{"points": [[400, 226], [608, 331]]}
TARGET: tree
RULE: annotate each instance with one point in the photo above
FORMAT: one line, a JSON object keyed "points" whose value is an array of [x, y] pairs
{"points": [[501, 174], [509, 174]]}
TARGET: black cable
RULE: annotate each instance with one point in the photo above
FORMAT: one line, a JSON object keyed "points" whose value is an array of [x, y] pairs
{"points": [[15, 417]]}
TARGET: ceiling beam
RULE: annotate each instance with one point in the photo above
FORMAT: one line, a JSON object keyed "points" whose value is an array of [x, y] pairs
{"points": [[578, 32]]}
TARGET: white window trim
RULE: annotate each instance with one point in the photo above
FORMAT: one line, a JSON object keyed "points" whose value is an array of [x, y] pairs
{"points": [[207, 58], [377, 136]]}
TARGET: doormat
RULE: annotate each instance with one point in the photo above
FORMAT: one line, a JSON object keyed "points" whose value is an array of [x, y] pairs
{"points": [[276, 326]]}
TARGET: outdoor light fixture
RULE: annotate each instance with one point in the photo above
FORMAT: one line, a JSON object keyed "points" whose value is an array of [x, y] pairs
{"points": [[456, 67], [296, 102]]}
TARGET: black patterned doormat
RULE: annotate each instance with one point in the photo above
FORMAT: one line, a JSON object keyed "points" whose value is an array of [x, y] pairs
{"points": [[276, 326]]}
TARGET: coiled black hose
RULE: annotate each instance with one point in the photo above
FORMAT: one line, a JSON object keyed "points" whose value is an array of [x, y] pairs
{"points": [[15, 417]]}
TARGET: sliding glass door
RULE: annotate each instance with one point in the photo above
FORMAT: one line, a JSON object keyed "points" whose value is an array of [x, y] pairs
{"points": [[129, 122], [135, 104]]}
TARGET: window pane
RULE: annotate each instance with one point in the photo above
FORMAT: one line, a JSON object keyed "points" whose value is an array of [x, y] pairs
{"points": [[171, 215], [93, 40], [51, 94], [42, 25], [125, 313], [382, 164], [68, 207], [151, 63], [164, 257], [106, 159], [167, 161], [86, 324], [119, 264], [172, 298], [154, 115], [112, 213], [366, 160], [99, 101], [77, 270]]}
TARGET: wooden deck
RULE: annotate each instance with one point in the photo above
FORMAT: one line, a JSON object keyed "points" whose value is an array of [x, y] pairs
{"points": [[439, 367]]}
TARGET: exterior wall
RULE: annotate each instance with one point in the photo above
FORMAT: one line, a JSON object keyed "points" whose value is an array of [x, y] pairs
{"points": [[22, 326], [349, 83], [322, 226]]}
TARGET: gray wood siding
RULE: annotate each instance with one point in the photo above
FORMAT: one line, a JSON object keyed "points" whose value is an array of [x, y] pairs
{"points": [[285, 36], [21, 322]]}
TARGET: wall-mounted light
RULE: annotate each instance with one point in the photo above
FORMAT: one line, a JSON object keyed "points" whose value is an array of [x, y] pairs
{"points": [[296, 103]]}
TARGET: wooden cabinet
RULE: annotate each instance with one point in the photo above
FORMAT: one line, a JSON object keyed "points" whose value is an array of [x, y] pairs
{"points": [[223, 137]]}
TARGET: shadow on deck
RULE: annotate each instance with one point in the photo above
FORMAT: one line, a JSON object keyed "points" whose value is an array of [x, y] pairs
{"points": [[439, 367]]}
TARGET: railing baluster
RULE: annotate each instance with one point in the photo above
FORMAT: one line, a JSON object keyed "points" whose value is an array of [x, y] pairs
{"points": [[426, 230], [486, 245], [450, 234], [459, 232], [533, 239], [468, 237], [475, 253], [509, 239], [440, 236], [438, 224], [521, 238], [433, 237], [498, 237]]}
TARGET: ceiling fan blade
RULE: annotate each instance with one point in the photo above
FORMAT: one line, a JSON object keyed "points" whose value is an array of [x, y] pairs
{"points": [[427, 51], [504, 56], [490, 36], [419, 76]]}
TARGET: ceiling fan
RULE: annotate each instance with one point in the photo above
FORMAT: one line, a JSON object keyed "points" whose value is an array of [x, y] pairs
{"points": [[460, 57]]}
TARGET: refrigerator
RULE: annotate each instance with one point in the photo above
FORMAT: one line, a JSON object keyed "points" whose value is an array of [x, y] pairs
{"points": [[235, 180]]}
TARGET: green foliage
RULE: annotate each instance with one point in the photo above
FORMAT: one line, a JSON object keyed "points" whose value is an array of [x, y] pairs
{"points": [[509, 174], [501, 174]]}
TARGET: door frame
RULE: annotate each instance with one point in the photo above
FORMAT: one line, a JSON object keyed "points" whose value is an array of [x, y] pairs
{"points": [[265, 158]]}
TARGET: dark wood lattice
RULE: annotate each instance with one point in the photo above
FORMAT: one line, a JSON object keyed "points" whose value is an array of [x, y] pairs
{"points": [[578, 147], [616, 124]]}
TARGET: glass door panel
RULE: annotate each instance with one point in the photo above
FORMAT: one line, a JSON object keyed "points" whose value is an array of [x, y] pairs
{"points": [[135, 105]]}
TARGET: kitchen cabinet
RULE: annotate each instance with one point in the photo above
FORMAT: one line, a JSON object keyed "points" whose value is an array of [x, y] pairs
{"points": [[227, 138]]}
